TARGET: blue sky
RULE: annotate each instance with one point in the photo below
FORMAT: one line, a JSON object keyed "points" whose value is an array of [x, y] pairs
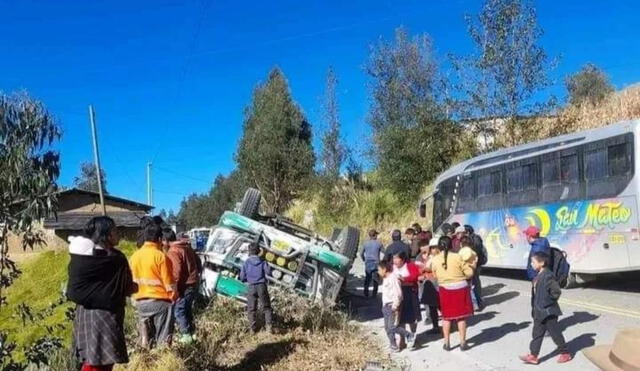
{"points": [[170, 79]]}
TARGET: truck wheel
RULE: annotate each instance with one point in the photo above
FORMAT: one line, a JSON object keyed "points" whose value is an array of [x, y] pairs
{"points": [[348, 241], [250, 203]]}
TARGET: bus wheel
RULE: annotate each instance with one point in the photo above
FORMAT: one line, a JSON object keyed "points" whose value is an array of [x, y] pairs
{"points": [[572, 281]]}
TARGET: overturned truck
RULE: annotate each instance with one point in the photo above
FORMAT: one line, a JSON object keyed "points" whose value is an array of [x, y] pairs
{"points": [[312, 266]]}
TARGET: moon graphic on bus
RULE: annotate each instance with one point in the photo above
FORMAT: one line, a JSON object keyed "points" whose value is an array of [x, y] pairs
{"points": [[542, 218]]}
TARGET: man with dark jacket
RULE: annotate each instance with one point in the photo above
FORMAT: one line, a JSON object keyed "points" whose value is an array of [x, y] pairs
{"points": [[481, 252], [186, 270], [370, 255], [396, 246], [538, 244], [254, 272], [545, 310]]}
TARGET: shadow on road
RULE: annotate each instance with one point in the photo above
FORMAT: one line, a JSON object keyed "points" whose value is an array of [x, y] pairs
{"points": [[479, 317], [576, 318], [492, 289], [500, 298], [575, 345], [266, 354], [492, 334]]}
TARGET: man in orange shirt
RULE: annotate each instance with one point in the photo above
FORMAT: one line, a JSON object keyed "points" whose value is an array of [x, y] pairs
{"points": [[152, 271]]}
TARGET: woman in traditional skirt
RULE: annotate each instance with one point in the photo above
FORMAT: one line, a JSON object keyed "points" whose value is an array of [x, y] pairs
{"points": [[452, 274], [429, 296], [408, 273], [99, 282]]}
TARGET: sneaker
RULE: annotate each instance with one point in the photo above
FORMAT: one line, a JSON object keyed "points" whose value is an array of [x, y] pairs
{"points": [[394, 348], [564, 357], [411, 340], [530, 359], [185, 339]]}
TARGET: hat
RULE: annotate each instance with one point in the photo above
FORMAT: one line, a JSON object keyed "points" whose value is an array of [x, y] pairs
{"points": [[434, 241], [396, 234], [532, 231], [460, 229], [621, 355], [373, 232]]}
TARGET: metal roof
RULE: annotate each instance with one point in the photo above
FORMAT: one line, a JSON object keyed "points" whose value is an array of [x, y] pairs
{"points": [[107, 197], [78, 220]]}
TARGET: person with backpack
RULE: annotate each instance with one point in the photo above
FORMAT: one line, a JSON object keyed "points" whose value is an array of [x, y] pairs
{"points": [[545, 311], [481, 252], [538, 244]]}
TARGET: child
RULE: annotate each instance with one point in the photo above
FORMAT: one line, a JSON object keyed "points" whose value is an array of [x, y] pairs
{"points": [[429, 294], [545, 310], [391, 301], [254, 272]]}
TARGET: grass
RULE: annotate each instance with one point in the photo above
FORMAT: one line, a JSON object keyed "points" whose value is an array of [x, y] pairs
{"points": [[40, 286]]}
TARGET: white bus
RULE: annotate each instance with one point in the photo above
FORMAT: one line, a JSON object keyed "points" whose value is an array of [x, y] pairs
{"points": [[580, 189]]}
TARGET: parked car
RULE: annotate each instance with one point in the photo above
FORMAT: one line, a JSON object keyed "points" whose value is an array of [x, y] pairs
{"points": [[301, 260]]}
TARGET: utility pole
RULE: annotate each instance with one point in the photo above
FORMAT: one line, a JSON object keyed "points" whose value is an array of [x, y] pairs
{"points": [[149, 189], [96, 157]]}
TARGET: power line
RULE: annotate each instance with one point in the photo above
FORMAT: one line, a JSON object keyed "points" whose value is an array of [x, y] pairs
{"points": [[183, 175]]}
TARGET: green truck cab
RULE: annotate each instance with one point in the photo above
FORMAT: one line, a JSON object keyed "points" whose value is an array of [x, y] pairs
{"points": [[312, 266]]}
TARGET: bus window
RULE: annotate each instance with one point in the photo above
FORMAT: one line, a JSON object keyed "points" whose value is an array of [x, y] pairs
{"points": [[443, 201], [467, 200], [618, 159], [569, 170], [522, 182], [490, 189], [595, 163]]}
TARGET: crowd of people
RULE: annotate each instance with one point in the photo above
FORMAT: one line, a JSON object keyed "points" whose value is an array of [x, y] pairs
{"points": [[442, 273], [161, 277]]}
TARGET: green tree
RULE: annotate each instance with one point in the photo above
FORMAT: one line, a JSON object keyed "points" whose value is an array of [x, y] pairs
{"points": [[500, 81], [204, 210], [29, 168], [413, 139], [275, 153], [589, 85], [88, 179], [333, 150]]}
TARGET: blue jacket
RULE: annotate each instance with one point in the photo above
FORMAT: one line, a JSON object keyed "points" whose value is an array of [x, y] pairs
{"points": [[371, 251], [540, 244], [254, 270]]}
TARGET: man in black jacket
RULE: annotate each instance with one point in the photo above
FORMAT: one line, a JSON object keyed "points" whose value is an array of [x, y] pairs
{"points": [[481, 252], [545, 311], [396, 246]]}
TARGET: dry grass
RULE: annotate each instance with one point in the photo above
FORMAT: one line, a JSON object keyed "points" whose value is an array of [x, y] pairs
{"points": [[307, 337]]}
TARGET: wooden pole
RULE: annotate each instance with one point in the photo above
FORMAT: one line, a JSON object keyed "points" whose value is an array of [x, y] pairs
{"points": [[96, 157]]}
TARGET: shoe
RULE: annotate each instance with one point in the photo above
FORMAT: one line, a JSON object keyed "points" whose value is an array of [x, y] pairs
{"points": [[411, 340], [394, 348], [185, 339], [446, 347], [564, 357], [530, 359], [366, 294], [464, 347]]}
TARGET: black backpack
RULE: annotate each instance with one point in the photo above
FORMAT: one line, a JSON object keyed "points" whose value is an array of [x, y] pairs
{"points": [[559, 266], [478, 248]]}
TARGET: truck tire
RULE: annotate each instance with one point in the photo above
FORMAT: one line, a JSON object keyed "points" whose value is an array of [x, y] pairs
{"points": [[348, 241], [250, 203]]}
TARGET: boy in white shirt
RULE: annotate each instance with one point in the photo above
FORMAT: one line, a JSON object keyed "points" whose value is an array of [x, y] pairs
{"points": [[391, 302]]}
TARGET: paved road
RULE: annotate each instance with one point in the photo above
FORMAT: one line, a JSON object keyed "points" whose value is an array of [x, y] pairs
{"points": [[502, 331]]}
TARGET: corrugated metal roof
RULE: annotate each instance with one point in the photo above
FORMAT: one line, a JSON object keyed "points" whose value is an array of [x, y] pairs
{"points": [[107, 197], [78, 220]]}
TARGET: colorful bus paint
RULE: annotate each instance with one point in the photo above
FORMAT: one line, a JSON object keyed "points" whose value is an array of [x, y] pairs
{"points": [[582, 228]]}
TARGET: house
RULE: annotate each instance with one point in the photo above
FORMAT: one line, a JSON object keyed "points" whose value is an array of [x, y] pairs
{"points": [[76, 207]]}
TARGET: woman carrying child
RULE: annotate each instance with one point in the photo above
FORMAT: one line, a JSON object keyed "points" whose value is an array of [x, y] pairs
{"points": [[429, 295], [453, 273], [408, 273]]}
